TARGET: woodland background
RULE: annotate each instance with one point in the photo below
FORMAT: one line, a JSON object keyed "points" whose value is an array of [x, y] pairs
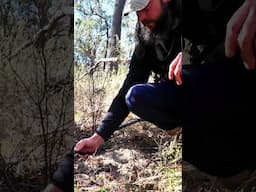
{"points": [[36, 90], [61, 65]]}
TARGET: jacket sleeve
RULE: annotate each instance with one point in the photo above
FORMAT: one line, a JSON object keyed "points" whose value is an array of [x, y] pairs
{"points": [[139, 71]]}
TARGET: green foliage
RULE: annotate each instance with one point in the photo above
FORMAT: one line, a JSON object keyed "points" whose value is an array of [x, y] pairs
{"points": [[93, 21], [92, 25], [172, 153], [169, 165], [174, 177], [104, 189]]}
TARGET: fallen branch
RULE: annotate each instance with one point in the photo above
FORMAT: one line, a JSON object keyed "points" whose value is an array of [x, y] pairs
{"points": [[96, 65]]}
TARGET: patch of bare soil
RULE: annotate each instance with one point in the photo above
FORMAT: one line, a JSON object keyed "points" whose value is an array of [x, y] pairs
{"points": [[130, 161], [144, 158]]}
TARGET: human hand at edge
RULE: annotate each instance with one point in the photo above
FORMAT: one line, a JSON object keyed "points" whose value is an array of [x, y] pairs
{"points": [[241, 34]]}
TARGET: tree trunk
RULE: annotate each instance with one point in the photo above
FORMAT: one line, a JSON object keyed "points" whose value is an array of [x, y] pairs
{"points": [[116, 33]]}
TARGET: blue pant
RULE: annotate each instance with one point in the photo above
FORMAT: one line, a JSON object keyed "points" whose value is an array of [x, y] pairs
{"points": [[157, 103], [215, 105]]}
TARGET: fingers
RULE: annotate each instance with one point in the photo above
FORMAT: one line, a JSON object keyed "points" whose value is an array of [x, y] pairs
{"points": [[80, 148], [173, 66], [241, 33], [246, 40], [178, 72], [233, 28]]}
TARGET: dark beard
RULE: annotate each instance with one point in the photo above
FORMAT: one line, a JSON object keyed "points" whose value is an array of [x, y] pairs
{"points": [[162, 31]]}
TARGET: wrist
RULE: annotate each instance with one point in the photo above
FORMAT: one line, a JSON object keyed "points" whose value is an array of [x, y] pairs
{"points": [[98, 139]]}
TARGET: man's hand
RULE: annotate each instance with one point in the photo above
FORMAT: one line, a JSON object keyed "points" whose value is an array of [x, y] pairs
{"points": [[241, 33], [175, 69], [89, 145]]}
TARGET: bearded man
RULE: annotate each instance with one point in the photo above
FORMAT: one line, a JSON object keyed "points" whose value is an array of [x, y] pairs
{"points": [[211, 98], [158, 35], [212, 101]]}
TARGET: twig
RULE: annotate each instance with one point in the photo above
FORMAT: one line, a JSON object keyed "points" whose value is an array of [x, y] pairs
{"points": [[103, 60], [130, 123], [52, 23]]}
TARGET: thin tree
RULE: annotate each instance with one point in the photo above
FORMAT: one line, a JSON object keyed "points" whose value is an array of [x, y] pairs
{"points": [[114, 50]]}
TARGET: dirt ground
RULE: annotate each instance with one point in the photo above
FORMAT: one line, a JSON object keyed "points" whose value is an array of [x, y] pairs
{"points": [[142, 158], [132, 160]]}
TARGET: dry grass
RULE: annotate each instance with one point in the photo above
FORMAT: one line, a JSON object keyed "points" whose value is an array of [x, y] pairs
{"points": [[138, 158]]}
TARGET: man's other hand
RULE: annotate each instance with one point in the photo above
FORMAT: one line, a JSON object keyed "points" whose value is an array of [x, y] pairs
{"points": [[175, 69], [241, 33], [89, 145]]}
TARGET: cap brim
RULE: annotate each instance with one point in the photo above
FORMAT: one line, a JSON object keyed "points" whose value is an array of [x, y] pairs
{"points": [[128, 10], [125, 13]]}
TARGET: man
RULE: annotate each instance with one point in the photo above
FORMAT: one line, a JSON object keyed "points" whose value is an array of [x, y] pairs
{"points": [[158, 30], [213, 99], [205, 92], [158, 35]]}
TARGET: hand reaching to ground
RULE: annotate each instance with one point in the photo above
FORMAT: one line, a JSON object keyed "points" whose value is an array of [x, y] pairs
{"points": [[89, 145]]}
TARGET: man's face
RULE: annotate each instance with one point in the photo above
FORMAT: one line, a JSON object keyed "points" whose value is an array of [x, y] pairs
{"points": [[155, 22], [150, 14]]}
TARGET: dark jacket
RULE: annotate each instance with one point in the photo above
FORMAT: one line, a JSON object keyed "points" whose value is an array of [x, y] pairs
{"points": [[143, 63], [204, 27], [200, 35]]}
